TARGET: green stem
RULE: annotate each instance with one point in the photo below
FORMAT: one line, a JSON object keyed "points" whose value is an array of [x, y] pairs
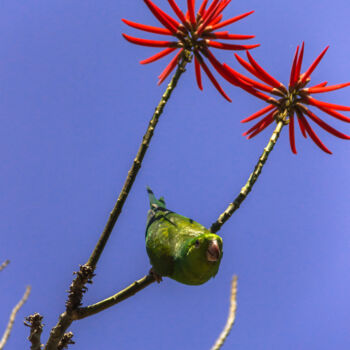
{"points": [[114, 299], [66, 318], [136, 164], [251, 180]]}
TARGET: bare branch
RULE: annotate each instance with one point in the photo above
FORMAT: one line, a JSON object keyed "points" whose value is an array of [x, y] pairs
{"points": [[114, 299], [13, 317], [4, 264], [36, 328], [231, 316]]}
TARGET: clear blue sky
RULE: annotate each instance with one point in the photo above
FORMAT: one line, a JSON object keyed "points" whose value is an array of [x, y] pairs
{"points": [[74, 104]]}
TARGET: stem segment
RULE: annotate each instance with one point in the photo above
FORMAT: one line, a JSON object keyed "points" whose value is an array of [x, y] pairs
{"points": [[215, 227], [137, 163], [66, 318], [114, 299]]}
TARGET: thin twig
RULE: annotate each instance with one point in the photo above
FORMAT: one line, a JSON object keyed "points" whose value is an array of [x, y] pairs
{"points": [[231, 316], [36, 328], [114, 299], [13, 317], [65, 319], [4, 264], [250, 183]]}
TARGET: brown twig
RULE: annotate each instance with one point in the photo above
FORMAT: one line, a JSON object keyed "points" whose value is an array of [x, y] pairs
{"points": [[4, 264], [13, 317], [231, 316], [36, 328]]}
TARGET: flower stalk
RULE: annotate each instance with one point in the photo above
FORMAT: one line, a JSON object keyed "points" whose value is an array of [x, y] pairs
{"points": [[253, 177]]}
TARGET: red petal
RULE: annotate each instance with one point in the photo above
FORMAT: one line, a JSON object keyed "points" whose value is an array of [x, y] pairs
{"points": [[169, 68], [210, 9], [318, 103], [291, 134], [335, 114], [208, 16], [198, 73], [226, 36], [162, 16], [326, 126], [267, 77], [158, 55], [146, 42], [324, 83], [215, 20], [202, 8], [317, 90], [300, 61], [302, 128], [259, 113], [190, 6], [230, 21], [224, 46], [146, 28], [313, 65], [177, 11], [259, 127], [312, 134], [211, 77], [292, 78]]}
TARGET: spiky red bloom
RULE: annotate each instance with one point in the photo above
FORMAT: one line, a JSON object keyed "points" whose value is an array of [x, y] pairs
{"points": [[193, 32], [291, 103]]}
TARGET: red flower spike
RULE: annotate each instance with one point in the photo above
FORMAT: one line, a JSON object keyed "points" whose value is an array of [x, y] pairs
{"points": [[146, 42], [292, 135], [326, 126], [198, 73], [211, 77], [317, 90], [190, 5], [258, 113], [158, 56], [300, 61], [160, 16], [291, 102], [202, 8], [318, 103], [169, 68], [293, 76], [267, 77], [268, 120], [231, 20], [145, 28], [313, 136], [194, 32], [314, 65], [177, 11]]}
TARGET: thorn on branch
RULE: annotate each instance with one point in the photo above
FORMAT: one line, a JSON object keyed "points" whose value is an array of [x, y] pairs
{"points": [[65, 341], [78, 288], [36, 328]]}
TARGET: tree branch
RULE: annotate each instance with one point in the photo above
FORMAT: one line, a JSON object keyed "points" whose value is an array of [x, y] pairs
{"points": [[231, 316], [251, 180], [114, 299], [74, 299], [13, 317], [36, 328]]}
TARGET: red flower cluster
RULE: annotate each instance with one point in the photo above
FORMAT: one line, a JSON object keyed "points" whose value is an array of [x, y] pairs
{"points": [[292, 101], [193, 32]]}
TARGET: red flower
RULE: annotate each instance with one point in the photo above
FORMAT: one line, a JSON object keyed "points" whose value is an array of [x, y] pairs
{"points": [[292, 101], [192, 32]]}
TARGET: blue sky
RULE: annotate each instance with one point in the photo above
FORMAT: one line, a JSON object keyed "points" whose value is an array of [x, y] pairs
{"points": [[74, 105]]}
